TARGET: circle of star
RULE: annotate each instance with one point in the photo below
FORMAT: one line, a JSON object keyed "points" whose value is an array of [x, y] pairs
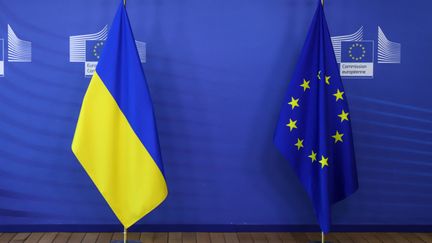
{"points": [[359, 56], [97, 49]]}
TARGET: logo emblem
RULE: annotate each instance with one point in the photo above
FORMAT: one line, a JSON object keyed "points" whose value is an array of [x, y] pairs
{"points": [[357, 59], [87, 49]]}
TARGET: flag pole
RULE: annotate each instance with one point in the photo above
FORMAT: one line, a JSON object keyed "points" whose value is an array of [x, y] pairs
{"points": [[322, 232], [124, 235], [124, 2]]}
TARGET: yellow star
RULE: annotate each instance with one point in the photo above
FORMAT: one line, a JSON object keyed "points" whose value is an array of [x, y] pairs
{"points": [[292, 124], [343, 116], [312, 156], [294, 103], [319, 75], [323, 161], [327, 78], [338, 95], [299, 143], [338, 137], [305, 84]]}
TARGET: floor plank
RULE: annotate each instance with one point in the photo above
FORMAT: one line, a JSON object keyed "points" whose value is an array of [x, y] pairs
{"points": [[342, 237], [231, 238], [203, 237], [300, 237], [273, 237], [188, 237], [133, 235], [48, 237], [76, 238], [370, 238], [62, 238], [383, 237], [424, 236], [412, 238], [20, 237], [6, 237], [90, 238], [244, 237], [117, 236], [160, 238], [355, 237], [104, 237], [174, 237], [147, 237], [259, 238], [314, 236], [217, 238], [287, 237], [34, 238], [397, 238]]}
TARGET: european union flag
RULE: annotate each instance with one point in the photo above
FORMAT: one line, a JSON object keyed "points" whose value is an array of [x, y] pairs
{"points": [[94, 50], [314, 131]]}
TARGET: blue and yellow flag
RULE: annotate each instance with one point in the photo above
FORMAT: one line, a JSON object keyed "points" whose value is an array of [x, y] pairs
{"points": [[314, 131], [116, 139]]}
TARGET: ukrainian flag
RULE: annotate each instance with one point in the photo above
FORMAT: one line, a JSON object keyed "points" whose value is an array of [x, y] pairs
{"points": [[116, 138]]}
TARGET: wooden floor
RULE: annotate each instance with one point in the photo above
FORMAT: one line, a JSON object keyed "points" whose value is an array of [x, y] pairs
{"points": [[214, 237]]}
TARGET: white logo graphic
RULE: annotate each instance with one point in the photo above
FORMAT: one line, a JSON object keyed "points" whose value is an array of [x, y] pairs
{"points": [[18, 50], [1, 58], [87, 49], [337, 42], [141, 47], [388, 51]]}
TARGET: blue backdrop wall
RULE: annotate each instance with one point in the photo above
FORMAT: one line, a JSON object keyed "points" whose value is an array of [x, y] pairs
{"points": [[217, 71]]}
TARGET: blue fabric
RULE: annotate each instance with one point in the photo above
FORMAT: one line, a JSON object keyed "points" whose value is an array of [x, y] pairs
{"points": [[317, 120], [121, 71]]}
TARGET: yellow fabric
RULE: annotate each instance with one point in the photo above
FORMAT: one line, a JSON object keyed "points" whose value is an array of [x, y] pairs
{"points": [[114, 157]]}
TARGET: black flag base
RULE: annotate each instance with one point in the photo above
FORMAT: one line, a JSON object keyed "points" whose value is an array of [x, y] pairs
{"points": [[318, 241], [127, 241]]}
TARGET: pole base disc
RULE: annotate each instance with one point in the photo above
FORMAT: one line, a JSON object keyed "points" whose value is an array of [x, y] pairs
{"points": [[128, 241], [318, 241]]}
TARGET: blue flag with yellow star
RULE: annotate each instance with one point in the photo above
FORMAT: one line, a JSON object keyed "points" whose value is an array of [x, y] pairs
{"points": [[314, 131]]}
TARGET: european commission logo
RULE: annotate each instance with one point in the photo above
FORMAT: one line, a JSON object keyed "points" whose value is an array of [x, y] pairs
{"points": [[87, 49], [356, 56], [17, 50]]}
